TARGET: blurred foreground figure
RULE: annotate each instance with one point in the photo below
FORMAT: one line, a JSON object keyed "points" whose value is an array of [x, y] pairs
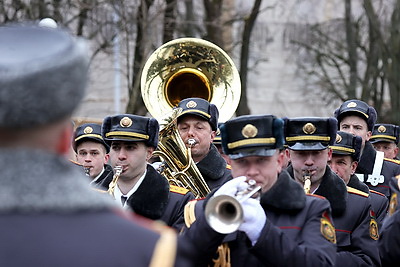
{"points": [[49, 216]]}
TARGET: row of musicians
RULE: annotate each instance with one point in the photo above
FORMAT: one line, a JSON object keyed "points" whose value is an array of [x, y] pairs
{"points": [[339, 222]]}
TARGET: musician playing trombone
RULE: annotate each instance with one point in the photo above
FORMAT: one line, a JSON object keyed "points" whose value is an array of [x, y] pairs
{"points": [[282, 227]]}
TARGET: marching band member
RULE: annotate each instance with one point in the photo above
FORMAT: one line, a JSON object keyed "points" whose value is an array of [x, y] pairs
{"points": [[285, 227], [132, 140], [308, 141]]}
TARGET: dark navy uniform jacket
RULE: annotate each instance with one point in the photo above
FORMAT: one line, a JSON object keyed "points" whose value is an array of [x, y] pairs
{"points": [[291, 235], [104, 179], [389, 243], [366, 164], [351, 217], [156, 200], [379, 202], [214, 169]]}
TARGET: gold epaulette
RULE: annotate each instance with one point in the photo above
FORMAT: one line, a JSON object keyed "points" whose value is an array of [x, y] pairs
{"points": [[393, 160], [164, 253], [75, 162], [178, 189], [317, 196], [377, 193], [189, 213], [352, 190], [229, 167], [99, 190]]}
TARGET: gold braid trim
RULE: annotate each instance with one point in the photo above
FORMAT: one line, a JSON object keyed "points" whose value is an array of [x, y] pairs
{"points": [[224, 256], [165, 250], [189, 214]]}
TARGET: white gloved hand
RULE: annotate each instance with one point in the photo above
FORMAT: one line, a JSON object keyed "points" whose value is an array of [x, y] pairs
{"points": [[231, 187], [254, 219]]}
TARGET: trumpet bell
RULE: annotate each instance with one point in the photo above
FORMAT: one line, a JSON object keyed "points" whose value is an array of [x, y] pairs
{"points": [[224, 214], [190, 67]]}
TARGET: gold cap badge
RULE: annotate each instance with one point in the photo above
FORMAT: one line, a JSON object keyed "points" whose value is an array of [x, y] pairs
{"points": [[381, 129], [191, 104], [218, 132], [352, 105], [338, 138], [309, 128], [249, 131], [125, 122], [88, 130]]}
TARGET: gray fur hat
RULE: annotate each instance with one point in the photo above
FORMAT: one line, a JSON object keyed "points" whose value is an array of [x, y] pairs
{"points": [[43, 74]]}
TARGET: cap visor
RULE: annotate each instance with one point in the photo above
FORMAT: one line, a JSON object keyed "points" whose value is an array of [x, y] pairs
{"points": [[254, 152], [308, 146]]}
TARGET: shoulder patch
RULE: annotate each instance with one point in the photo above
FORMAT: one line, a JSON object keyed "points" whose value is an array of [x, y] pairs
{"points": [[376, 193], [228, 167], [393, 160], [177, 189], [327, 229], [352, 190]]}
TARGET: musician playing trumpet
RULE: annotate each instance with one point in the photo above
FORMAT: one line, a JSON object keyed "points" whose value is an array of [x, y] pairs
{"points": [[284, 227], [138, 186]]}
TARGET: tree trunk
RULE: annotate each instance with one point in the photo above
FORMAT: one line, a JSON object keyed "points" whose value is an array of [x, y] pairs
{"points": [[136, 104], [243, 108]]}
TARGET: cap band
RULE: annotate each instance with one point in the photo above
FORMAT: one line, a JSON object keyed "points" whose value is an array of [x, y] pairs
{"points": [[343, 149], [89, 135], [122, 133], [196, 111], [236, 144], [308, 138], [383, 136]]}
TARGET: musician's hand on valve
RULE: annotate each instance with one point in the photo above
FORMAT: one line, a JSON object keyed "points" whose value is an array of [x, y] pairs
{"points": [[233, 186], [254, 219]]}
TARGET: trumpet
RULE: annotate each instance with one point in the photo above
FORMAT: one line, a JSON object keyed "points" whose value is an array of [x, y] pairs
{"points": [[224, 213], [307, 182], [113, 183]]}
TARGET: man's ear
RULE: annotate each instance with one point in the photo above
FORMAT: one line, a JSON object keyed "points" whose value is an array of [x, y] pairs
{"points": [[368, 136], [149, 152]]}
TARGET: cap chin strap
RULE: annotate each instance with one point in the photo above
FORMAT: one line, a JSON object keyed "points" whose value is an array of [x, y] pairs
{"points": [[375, 178]]}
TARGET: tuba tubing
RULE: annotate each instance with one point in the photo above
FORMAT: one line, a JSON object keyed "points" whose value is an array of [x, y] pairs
{"points": [[180, 69]]}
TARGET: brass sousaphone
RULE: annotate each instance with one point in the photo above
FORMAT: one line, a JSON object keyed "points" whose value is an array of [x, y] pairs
{"points": [[179, 69]]}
